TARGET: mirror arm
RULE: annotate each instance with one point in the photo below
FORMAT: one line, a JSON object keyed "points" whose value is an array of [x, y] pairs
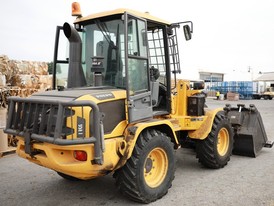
{"points": [[178, 24]]}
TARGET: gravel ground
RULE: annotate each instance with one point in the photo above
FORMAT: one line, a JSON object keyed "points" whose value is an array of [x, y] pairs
{"points": [[244, 181]]}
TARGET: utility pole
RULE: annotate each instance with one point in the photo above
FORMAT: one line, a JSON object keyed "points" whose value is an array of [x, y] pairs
{"points": [[250, 70]]}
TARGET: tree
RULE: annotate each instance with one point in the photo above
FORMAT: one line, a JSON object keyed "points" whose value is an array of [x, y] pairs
{"points": [[50, 67]]}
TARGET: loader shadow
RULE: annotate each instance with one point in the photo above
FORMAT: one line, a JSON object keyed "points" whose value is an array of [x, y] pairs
{"points": [[54, 190], [186, 159], [58, 191], [99, 191]]}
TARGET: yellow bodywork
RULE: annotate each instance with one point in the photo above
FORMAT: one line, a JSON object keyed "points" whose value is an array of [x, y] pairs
{"points": [[79, 112], [120, 142], [198, 127], [61, 159], [205, 127]]}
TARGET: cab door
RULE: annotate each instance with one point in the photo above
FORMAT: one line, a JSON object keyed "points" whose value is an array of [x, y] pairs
{"points": [[139, 101]]}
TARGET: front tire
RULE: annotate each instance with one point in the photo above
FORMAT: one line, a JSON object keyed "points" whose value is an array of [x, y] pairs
{"points": [[215, 151], [149, 172]]}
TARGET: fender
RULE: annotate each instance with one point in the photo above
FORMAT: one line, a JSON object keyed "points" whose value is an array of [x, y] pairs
{"points": [[206, 126], [133, 131]]}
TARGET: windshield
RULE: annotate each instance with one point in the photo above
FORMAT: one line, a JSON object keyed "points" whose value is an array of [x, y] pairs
{"points": [[103, 39]]}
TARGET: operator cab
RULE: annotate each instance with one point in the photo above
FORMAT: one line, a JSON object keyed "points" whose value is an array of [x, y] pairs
{"points": [[142, 66]]}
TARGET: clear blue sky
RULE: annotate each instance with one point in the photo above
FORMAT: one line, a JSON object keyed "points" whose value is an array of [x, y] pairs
{"points": [[228, 35]]}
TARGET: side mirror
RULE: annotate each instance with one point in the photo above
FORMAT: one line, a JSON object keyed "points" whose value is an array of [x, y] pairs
{"points": [[187, 32]]}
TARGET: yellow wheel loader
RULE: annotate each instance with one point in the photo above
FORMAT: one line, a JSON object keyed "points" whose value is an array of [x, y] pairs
{"points": [[116, 107]]}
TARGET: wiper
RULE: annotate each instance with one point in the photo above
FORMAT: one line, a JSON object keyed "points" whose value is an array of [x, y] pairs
{"points": [[103, 28], [117, 51]]}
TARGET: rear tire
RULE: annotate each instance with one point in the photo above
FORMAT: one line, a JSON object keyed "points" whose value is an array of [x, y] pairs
{"points": [[149, 172], [215, 151], [266, 97]]}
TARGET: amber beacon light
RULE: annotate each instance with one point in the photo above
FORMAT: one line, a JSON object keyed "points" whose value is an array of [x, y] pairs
{"points": [[76, 9]]}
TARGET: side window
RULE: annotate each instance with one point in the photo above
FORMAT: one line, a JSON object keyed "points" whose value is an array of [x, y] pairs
{"points": [[157, 52], [61, 58], [137, 42], [142, 38], [138, 78], [137, 56], [61, 61]]}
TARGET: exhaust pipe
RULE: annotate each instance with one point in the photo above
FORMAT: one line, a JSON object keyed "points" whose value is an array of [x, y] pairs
{"points": [[76, 77]]}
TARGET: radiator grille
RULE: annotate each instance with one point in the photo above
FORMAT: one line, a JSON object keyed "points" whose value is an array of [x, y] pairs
{"points": [[38, 118]]}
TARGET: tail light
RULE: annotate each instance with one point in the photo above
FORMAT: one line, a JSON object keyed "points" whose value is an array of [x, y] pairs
{"points": [[80, 155]]}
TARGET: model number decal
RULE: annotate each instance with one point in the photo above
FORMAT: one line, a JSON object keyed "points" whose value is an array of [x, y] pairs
{"points": [[196, 119], [104, 96], [81, 127]]}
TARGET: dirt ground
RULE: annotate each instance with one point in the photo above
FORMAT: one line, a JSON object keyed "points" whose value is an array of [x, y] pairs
{"points": [[244, 181]]}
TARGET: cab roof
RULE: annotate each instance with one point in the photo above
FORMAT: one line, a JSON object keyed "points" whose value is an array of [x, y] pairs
{"points": [[143, 15]]}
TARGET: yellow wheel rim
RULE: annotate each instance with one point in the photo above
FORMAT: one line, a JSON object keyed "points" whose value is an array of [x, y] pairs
{"points": [[155, 168], [223, 141]]}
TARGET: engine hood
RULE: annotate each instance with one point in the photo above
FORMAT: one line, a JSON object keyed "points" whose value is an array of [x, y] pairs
{"points": [[70, 95]]}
